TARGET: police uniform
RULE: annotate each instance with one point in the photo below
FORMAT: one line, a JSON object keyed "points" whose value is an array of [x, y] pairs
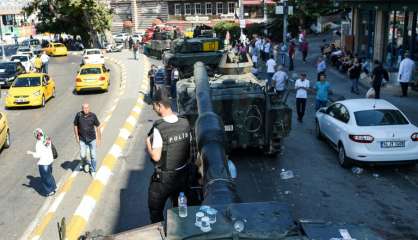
{"points": [[172, 133]]}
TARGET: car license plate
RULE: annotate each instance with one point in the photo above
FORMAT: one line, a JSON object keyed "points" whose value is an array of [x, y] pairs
{"points": [[229, 128], [20, 100], [2, 83], [392, 144]]}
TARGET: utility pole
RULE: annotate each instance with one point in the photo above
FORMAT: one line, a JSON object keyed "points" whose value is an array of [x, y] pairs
{"points": [[265, 17], [285, 14], [3, 54], [241, 17]]}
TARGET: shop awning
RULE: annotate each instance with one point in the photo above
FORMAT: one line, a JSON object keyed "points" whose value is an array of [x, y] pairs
{"points": [[257, 2]]}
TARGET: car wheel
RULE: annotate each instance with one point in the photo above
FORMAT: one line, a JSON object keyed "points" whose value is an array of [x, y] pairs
{"points": [[318, 132], [7, 142], [342, 158], [53, 93], [43, 101]]}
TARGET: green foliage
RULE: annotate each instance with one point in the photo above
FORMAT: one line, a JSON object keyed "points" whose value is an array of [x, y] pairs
{"points": [[75, 17], [307, 10], [222, 27]]}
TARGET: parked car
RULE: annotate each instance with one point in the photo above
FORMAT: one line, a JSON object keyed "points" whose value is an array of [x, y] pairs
{"points": [[121, 37], [25, 59], [9, 71], [369, 131], [93, 56]]}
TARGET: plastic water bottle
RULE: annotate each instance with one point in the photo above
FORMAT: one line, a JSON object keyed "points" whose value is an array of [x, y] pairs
{"points": [[182, 205]]}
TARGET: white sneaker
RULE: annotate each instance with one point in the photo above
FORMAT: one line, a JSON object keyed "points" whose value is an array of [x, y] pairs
{"points": [[93, 174]]}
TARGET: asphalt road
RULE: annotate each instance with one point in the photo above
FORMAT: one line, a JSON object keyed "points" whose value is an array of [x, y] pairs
{"points": [[20, 199], [382, 198]]}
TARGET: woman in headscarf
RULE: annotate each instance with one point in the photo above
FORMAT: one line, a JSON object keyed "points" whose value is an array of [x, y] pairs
{"points": [[43, 151]]}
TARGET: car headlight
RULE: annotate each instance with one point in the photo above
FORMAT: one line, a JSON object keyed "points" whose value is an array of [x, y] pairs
{"points": [[11, 79], [37, 93]]}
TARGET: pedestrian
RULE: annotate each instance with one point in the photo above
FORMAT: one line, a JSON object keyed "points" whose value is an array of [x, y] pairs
{"points": [[301, 86], [321, 67], [378, 75], [304, 49], [87, 131], [292, 52], [168, 75], [45, 62], [37, 63], [175, 76], [354, 73], [130, 42], [267, 49], [135, 49], [283, 53], [254, 58], [151, 75], [43, 151], [279, 81], [322, 88], [160, 78], [168, 145], [406, 74], [271, 65]]}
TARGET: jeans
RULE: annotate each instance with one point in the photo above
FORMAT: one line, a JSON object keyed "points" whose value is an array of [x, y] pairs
{"points": [[83, 152], [48, 181], [354, 86], [269, 78], [283, 59], [320, 104], [377, 91], [300, 107], [135, 54], [45, 68], [173, 88], [291, 66]]}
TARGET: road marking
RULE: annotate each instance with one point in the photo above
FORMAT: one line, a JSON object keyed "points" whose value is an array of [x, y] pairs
{"points": [[37, 228], [92, 195]]}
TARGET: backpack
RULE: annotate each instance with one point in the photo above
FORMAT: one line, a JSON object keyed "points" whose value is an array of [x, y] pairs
{"points": [[54, 151]]}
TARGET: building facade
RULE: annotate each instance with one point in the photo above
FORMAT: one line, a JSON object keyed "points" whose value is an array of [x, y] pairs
{"points": [[382, 29]]}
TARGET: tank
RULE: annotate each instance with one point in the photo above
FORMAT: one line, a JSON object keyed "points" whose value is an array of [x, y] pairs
{"points": [[234, 220], [252, 116], [184, 53], [160, 42]]}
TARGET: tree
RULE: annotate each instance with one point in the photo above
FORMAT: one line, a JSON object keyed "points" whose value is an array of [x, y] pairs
{"points": [[86, 18], [223, 26]]}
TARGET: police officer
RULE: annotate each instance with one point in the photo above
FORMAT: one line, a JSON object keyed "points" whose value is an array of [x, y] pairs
{"points": [[168, 145]]}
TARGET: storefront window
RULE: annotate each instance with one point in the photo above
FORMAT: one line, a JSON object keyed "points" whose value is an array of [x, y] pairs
{"points": [[367, 32]]}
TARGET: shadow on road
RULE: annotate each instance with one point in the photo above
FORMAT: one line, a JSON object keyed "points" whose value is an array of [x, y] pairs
{"points": [[35, 183], [71, 165]]}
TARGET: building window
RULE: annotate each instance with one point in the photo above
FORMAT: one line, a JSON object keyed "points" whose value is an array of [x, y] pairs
{"points": [[231, 7], [219, 8], [198, 8], [187, 9], [208, 8], [177, 9]]}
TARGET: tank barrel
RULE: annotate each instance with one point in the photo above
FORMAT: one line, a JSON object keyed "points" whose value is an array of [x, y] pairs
{"points": [[210, 137]]}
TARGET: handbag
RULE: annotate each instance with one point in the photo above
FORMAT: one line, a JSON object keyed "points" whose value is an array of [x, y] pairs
{"points": [[54, 151]]}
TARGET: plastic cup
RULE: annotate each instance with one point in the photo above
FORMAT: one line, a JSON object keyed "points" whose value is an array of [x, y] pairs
{"points": [[205, 224], [199, 216], [211, 213]]}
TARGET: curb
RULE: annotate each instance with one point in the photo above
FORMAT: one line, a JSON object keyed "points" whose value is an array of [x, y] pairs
{"points": [[93, 194], [66, 186]]}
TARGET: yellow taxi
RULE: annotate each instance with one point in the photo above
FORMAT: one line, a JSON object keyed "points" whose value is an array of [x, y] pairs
{"points": [[92, 77], [30, 89], [56, 49], [4, 132]]}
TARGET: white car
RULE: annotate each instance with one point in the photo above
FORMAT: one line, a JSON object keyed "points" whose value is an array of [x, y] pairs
{"points": [[368, 130], [93, 56], [121, 37], [25, 59], [23, 50], [137, 37]]}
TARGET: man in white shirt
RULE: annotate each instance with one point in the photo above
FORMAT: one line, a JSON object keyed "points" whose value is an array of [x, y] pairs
{"points": [[279, 80], [405, 74], [45, 61], [271, 66], [254, 58], [301, 86], [267, 48]]}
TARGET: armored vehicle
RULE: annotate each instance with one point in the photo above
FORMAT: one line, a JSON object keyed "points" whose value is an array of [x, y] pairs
{"points": [[221, 215], [186, 52], [252, 116], [161, 41]]}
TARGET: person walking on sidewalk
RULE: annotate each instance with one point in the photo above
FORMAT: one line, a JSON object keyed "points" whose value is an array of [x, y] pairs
{"points": [[354, 74], [304, 49], [135, 49], [45, 62], [87, 131], [322, 90], [301, 86], [321, 67], [151, 75], [279, 81], [292, 52], [43, 151], [406, 74], [267, 49], [379, 73], [175, 76], [271, 65]]}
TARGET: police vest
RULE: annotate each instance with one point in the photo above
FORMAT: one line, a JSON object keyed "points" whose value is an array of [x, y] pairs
{"points": [[176, 144]]}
